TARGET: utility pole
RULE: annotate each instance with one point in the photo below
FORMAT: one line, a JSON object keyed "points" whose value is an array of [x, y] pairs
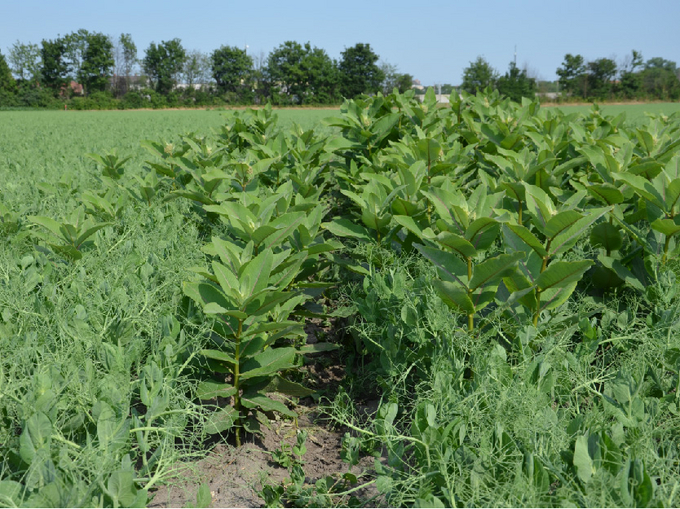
{"points": [[515, 55]]}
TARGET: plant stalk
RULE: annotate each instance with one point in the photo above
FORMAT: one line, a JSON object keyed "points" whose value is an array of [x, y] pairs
{"points": [[237, 375], [665, 250]]}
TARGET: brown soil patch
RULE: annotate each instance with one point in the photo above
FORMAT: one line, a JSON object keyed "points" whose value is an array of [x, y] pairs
{"points": [[236, 474]]}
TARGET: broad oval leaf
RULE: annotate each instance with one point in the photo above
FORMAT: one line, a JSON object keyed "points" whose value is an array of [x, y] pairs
{"points": [[606, 193], [666, 226], [456, 243], [270, 361], [607, 236], [482, 232], [494, 269], [454, 296], [527, 237], [560, 274], [209, 389]]}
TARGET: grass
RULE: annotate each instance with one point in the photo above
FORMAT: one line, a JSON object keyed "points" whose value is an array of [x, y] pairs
{"points": [[483, 418], [634, 112]]}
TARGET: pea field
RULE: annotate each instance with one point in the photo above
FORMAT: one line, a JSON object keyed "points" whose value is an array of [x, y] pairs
{"points": [[499, 279]]}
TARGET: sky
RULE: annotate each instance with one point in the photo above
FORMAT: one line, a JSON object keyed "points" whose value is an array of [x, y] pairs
{"points": [[434, 41]]}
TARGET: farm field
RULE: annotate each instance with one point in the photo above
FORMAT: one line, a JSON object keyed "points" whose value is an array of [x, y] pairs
{"points": [[390, 304], [634, 112]]}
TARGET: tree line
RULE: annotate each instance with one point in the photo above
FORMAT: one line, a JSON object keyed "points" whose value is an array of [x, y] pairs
{"points": [[91, 69], [599, 79]]}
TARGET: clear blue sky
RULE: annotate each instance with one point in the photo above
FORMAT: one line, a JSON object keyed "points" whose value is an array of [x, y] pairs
{"points": [[434, 41]]}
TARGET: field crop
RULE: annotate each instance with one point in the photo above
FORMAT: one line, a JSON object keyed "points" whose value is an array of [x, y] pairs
{"points": [[500, 278]]}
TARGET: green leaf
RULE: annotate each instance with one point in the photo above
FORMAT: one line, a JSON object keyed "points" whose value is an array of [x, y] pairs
{"points": [[666, 226], [457, 243], [254, 276], [318, 348], [219, 355], [607, 236], [262, 402], [347, 228], [285, 226], [89, 232], [449, 266], [47, 222], [35, 436], [208, 389], [566, 240], [527, 237], [340, 144], [283, 386], [203, 496], [560, 222], [621, 271], [582, 459], [606, 193], [112, 430], [205, 293], [408, 223], [454, 296], [556, 296], [121, 488], [221, 420], [560, 274], [539, 205], [492, 270], [643, 187], [271, 360], [10, 493], [520, 289], [482, 233]]}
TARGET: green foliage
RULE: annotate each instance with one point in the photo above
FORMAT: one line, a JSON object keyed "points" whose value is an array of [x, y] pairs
{"points": [[302, 75], [163, 63], [7, 82], [25, 61], [509, 286], [515, 84], [478, 76], [55, 66], [572, 75], [97, 63], [359, 72], [232, 69]]}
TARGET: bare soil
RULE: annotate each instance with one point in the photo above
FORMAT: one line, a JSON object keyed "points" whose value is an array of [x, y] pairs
{"points": [[235, 475]]}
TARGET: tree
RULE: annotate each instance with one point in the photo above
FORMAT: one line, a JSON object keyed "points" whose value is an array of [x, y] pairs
{"points": [[125, 57], [660, 80], [25, 61], [232, 69], [75, 47], [515, 84], [572, 75], [7, 82], [322, 77], [601, 73], [163, 63], [97, 63], [630, 75], [359, 73], [394, 79], [197, 68], [55, 67], [285, 70], [262, 83], [478, 76]]}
